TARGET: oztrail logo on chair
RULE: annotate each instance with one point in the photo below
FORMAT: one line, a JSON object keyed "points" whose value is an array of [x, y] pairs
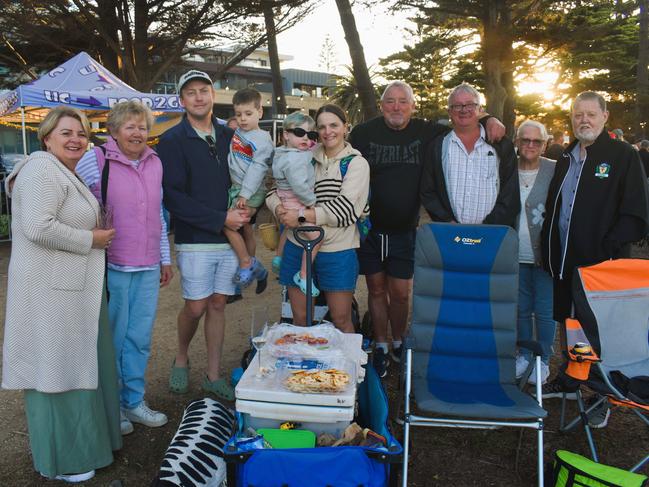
{"points": [[467, 240]]}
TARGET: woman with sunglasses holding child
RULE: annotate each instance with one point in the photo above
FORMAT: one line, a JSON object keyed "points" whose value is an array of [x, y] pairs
{"points": [[342, 178]]}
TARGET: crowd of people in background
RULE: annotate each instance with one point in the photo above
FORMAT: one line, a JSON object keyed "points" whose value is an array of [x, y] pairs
{"points": [[90, 246]]}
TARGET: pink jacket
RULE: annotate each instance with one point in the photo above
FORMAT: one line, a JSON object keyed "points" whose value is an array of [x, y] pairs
{"points": [[135, 195]]}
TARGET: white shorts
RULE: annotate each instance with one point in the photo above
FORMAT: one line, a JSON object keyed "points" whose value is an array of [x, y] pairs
{"points": [[205, 273]]}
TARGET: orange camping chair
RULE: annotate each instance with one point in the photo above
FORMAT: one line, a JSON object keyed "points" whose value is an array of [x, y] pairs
{"points": [[608, 341]]}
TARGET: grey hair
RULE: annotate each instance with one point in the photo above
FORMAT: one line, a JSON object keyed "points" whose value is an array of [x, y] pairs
{"points": [[466, 88], [644, 144], [296, 119], [592, 96], [535, 124], [400, 84]]}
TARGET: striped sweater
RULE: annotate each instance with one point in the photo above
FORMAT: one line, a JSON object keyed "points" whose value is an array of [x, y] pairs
{"points": [[339, 202]]}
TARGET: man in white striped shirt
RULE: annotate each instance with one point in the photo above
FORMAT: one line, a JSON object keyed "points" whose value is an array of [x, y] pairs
{"points": [[466, 179]]}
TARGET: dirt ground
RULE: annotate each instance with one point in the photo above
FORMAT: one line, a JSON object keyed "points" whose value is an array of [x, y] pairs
{"points": [[440, 457]]}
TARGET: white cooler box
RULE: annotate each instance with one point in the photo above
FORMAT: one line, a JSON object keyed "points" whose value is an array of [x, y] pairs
{"points": [[319, 419], [270, 390], [266, 402]]}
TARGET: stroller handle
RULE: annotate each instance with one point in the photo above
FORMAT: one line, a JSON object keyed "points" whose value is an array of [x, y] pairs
{"points": [[306, 243]]}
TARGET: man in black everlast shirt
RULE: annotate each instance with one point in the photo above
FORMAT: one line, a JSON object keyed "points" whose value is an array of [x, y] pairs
{"points": [[394, 145]]}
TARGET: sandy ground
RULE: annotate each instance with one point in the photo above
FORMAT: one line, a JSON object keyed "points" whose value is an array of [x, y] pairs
{"points": [[440, 457], [136, 464]]}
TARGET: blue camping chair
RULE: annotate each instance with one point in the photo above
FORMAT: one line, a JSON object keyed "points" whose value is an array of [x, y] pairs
{"points": [[461, 348]]}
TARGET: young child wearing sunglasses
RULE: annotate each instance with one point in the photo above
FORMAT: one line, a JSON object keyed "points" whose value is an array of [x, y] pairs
{"points": [[295, 177]]}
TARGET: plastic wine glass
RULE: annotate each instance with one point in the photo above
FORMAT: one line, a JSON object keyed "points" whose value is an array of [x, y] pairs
{"points": [[258, 332]]}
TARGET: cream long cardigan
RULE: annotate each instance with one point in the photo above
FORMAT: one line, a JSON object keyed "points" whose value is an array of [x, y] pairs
{"points": [[55, 280]]}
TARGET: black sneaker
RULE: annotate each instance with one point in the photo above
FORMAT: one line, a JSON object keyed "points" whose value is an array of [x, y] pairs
{"points": [[554, 388], [396, 353], [380, 362], [598, 417]]}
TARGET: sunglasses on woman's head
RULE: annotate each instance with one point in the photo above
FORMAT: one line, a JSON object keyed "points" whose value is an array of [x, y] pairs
{"points": [[300, 132]]}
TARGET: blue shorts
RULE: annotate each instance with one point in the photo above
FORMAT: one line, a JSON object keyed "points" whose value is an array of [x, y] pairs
{"points": [[205, 273], [333, 271]]}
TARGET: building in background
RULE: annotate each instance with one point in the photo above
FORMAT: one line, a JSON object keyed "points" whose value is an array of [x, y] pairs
{"points": [[304, 90]]}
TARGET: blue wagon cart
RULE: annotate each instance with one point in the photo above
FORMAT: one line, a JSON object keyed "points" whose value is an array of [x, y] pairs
{"points": [[341, 466]]}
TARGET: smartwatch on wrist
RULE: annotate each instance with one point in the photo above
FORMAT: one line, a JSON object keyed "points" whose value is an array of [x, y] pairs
{"points": [[300, 216]]}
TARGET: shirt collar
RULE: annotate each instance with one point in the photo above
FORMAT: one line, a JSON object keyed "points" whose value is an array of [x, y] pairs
{"points": [[575, 153], [481, 140]]}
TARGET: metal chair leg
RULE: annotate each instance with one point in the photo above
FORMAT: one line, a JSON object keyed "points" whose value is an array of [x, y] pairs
{"points": [[638, 466], [539, 399], [587, 430], [541, 464], [406, 419]]}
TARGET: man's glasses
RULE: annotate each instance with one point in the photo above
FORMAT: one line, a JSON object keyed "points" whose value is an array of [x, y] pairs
{"points": [[532, 142], [212, 146], [300, 132], [467, 107]]}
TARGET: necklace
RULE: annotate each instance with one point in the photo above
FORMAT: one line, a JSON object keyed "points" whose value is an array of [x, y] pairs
{"points": [[527, 177]]}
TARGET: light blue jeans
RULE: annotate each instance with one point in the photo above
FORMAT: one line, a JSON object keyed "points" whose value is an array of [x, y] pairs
{"points": [[132, 307], [535, 298]]}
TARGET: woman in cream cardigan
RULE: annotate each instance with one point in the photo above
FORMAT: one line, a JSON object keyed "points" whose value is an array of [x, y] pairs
{"points": [[57, 344]]}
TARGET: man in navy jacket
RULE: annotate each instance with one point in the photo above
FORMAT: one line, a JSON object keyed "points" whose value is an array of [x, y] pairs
{"points": [[597, 200], [196, 180], [596, 207]]}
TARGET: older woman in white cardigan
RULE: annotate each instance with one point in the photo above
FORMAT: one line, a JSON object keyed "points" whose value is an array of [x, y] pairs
{"points": [[57, 344]]}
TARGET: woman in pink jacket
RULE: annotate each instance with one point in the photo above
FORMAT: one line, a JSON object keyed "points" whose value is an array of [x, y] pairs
{"points": [[125, 175]]}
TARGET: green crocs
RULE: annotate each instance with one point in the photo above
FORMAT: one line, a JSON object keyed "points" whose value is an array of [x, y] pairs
{"points": [[221, 388], [179, 379]]}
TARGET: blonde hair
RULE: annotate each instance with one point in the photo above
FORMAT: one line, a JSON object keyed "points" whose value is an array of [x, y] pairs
{"points": [[296, 119], [53, 118], [122, 111]]}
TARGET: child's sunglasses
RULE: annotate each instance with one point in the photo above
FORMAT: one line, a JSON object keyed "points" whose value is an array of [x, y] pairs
{"points": [[300, 132]]}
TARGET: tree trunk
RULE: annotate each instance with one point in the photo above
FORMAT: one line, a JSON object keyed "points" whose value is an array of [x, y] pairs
{"points": [[141, 43], [507, 60], [366, 91], [497, 41], [279, 100], [642, 96], [109, 59]]}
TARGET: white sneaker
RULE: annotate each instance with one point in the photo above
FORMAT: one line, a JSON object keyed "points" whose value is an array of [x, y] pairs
{"points": [[545, 373], [521, 365], [125, 426], [73, 478], [143, 414]]}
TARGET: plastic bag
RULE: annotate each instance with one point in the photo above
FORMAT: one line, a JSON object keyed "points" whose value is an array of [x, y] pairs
{"points": [[322, 341]]}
